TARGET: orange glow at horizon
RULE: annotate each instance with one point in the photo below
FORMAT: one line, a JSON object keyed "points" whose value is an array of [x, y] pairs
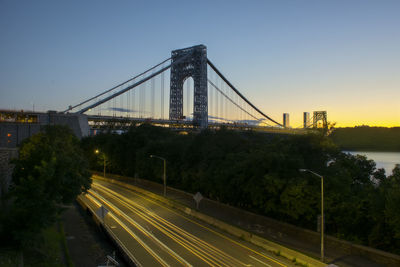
{"points": [[342, 119], [379, 117]]}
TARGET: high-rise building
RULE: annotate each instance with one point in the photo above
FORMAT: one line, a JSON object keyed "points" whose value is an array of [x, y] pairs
{"points": [[285, 120]]}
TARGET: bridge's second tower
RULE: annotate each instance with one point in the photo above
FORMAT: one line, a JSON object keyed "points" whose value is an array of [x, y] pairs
{"points": [[189, 62]]}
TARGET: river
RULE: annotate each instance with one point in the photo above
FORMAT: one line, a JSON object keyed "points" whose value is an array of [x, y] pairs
{"points": [[385, 160]]}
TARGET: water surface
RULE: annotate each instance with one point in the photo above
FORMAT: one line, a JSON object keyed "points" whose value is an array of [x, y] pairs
{"points": [[385, 160]]}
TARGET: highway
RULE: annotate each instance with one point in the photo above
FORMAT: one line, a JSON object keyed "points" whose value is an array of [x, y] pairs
{"points": [[155, 235]]}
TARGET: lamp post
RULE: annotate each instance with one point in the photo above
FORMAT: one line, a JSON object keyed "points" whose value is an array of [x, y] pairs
{"points": [[165, 168], [104, 158], [322, 209]]}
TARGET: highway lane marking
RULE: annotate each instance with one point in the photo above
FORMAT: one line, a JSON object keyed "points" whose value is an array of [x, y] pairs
{"points": [[137, 263], [93, 200], [232, 261], [193, 238], [224, 256], [140, 241], [116, 237], [254, 258], [202, 245], [205, 227], [144, 245], [143, 230], [167, 232]]}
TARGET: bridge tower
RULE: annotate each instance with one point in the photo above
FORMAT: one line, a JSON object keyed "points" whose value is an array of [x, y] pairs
{"points": [[320, 116], [189, 62]]}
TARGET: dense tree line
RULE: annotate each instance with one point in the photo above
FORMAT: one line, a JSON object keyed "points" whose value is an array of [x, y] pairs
{"points": [[260, 172], [364, 138], [50, 172]]}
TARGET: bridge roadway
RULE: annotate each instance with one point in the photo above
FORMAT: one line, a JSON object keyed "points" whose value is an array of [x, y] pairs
{"points": [[97, 122], [156, 235]]}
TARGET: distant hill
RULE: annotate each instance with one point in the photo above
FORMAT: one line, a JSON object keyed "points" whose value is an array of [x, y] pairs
{"points": [[365, 138]]}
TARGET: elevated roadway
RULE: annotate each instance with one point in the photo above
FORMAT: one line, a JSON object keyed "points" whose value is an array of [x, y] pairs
{"points": [[155, 235], [104, 123]]}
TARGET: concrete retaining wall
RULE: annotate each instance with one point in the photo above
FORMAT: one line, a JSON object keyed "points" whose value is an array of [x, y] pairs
{"points": [[13, 133]]}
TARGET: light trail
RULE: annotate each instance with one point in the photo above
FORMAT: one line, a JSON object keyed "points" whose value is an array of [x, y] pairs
{"points": [[201, 243], [205, 256], [141, 229], [254, 258], [140, 241], [112, 233], [186, 237], [211, 230], [180, 234], [93, 199]]}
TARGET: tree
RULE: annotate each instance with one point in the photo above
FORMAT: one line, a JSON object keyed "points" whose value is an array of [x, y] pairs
{"points": [[50, 172], [393, 201], [259, 172]]}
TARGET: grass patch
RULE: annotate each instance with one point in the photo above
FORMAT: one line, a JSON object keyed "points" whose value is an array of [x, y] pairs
{"points": [[9, 257], [49, 251], [68, 260]]}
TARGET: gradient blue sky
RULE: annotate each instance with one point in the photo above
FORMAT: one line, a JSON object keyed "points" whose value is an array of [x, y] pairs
{"points": [[285, 56]]}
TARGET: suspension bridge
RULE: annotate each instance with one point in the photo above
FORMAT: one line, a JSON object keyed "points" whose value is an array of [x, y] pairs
{"points": [[199, 96]]}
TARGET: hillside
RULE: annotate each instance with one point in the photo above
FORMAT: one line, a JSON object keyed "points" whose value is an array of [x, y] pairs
{"points": [[364, 138]]}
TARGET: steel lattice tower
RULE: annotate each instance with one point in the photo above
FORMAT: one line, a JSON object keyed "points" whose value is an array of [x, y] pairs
{"points": [[189, 62], [320, 116]]}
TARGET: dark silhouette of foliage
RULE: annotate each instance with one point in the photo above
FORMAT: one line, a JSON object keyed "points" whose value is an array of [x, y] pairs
{"points": [[365, 138], [260, 172], [50, 172]]}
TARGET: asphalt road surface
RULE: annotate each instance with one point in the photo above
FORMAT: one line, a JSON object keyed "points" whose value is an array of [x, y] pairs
{"points": [[156, 235]]}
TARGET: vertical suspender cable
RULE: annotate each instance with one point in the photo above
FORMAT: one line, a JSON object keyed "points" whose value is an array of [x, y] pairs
{"points": [[133, 103], [225, 103], [162, 94], [140, 100], [210, 98], [128, 98], [222, 101], [152, 82]]}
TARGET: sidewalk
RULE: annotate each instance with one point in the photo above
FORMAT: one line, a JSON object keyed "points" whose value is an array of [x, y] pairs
{"points": [[87, 245], [232, 216]]}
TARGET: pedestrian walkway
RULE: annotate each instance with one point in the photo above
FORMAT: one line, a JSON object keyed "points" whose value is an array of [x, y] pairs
{"points": [[87, 245]]}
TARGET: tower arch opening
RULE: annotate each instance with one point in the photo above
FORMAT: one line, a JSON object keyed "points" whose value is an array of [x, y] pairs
{"points": [[188, 98]]}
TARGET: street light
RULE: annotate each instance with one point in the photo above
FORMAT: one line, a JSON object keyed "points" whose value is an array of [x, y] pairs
{"points": [[322, 209], [165, 168], [104, 158]]}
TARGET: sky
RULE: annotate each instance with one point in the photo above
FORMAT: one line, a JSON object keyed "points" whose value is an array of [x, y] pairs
{"points": [[284, 56]]}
